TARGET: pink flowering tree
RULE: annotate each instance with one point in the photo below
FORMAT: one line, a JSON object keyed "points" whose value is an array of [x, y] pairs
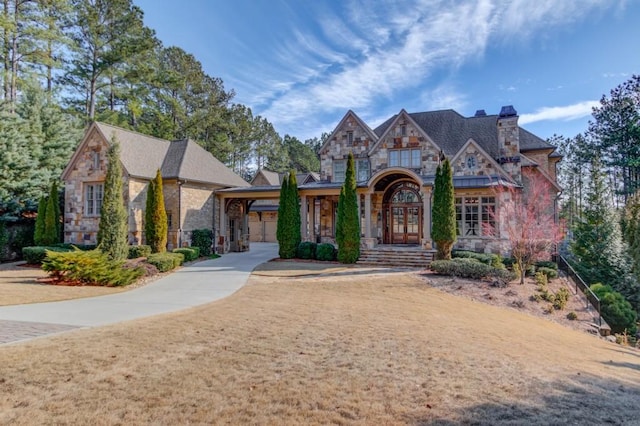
{"points": [[526, 217]]}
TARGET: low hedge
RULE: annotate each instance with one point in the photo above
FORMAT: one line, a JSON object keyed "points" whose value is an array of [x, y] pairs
{"points": [[547, 264], [190, 253], [490, 259], [139, 251], [35, 254], [326, 252], [469, 268], [306, 250], [88, 267], [166, 261]]}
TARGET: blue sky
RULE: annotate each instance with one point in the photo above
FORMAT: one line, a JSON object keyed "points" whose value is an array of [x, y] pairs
{"points": [[303, 64]]}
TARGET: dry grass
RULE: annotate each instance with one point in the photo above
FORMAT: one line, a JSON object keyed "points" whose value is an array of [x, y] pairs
{"points": [[20, 284], [346, 347]]}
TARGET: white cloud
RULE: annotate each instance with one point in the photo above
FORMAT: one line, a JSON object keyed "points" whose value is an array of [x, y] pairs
{"points": [[564, 113]]}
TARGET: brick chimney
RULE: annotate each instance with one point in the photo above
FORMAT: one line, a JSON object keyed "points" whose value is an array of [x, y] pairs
{"points": [[509, 142]]}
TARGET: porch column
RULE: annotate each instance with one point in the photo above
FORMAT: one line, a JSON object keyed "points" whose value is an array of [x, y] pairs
{"points": [[367, 215], [312, 219], [223, 218], [426, 218], [303, 218]]}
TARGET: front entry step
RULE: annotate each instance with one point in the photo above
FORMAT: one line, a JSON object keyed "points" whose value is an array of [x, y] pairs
{"points": [[398, 257]]}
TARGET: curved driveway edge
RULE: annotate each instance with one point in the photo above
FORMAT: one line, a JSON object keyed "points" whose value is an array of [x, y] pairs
{"points": [[193, 285]]}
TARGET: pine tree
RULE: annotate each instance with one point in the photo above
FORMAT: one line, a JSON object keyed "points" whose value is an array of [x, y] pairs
{"points": [[597, 248], [444, 211], [155, 224], [38, 234], [113, 227], [348, 230]]}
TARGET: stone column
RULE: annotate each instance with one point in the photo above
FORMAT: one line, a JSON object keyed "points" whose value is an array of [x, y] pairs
{"points": [[303, 218], [367, 215], [426, 218], [312, 219], [223, 223]]}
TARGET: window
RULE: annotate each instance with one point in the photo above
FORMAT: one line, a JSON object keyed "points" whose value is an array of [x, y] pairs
{"points": [[403, 130], [93, 199], [409, 158], [349, 138], [339, 168], [471, 162], [96, 160], [475, 216], [363, 170], [169, 220]]}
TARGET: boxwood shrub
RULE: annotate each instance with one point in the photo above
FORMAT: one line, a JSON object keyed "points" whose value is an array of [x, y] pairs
{"points": [[139, 251], [549, 272], [190, 253], [326, 252], [88, 267], [166, 261], [203, 239], [469, 268], [547, 264], [35, 254], [490, 259], [306, 250]]}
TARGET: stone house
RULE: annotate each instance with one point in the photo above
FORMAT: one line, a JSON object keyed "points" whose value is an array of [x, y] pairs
{"points": [[395, 170], [191, 177]]}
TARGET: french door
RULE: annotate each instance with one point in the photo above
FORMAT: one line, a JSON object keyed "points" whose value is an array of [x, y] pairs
{"points": [[404, 224]]}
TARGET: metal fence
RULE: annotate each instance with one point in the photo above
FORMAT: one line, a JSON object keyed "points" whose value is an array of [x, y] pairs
{"points": [[590, 297]]}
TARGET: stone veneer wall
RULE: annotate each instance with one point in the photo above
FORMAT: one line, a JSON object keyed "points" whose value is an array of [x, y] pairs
{"points": [[483, 165], [509, 145], [339, 148], [78, 228], [136, 201]]}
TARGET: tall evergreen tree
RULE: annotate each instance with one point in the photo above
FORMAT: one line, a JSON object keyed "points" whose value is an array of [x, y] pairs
{"points": [[288, 231], [51, 219], [597, 248], [444, 211], [348, 228], [155, 224], [54, 195], [38, 234], [113, 227]]}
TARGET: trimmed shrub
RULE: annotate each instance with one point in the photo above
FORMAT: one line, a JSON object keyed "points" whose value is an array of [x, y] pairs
{"points": [[203, 240], [541, 279], [469, 268], [139, 251], [155, 216], [572, 316], [548, 272], [561, 298], [509, 262], [326, 252], [190, 253], [306, 250], [615, 309], [490, 259], [35, 254], [531, 271], [89, 267], [166, 261], [348, 222]]}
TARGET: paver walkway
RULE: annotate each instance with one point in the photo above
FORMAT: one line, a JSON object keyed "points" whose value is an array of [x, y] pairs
{"points": [[193, 285]]}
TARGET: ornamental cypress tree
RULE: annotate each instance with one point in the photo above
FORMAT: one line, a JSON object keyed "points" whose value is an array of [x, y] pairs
{"points": [[38, 233], [444, 211], [281, 233], [50, 234], [155, 223], [288, 232], [55, 196], [348, 228], [112, 229]]}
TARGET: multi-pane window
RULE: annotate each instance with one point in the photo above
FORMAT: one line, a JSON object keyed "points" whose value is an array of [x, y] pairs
{"points": [[363, 170], [409, 158], [475, 216], [93, 199], [96, 160], [349, 138], [339, 168]]}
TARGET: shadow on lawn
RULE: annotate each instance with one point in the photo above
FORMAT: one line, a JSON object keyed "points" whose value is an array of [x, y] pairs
{"points": [[581, 400]]}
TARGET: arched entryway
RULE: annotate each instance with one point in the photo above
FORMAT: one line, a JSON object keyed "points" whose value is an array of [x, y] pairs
{"points": [[402, 213]]}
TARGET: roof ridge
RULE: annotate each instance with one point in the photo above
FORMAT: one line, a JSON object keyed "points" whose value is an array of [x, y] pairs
{"points": [[100, 123]]}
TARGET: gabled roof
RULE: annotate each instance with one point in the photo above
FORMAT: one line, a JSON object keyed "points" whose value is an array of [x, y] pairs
{"points": [[450, 131], [364, 125], [272, 177], [142, 155]]}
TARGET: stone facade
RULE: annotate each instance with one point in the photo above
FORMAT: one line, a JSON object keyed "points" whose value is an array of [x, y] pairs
{"points": [[473, 161]]}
